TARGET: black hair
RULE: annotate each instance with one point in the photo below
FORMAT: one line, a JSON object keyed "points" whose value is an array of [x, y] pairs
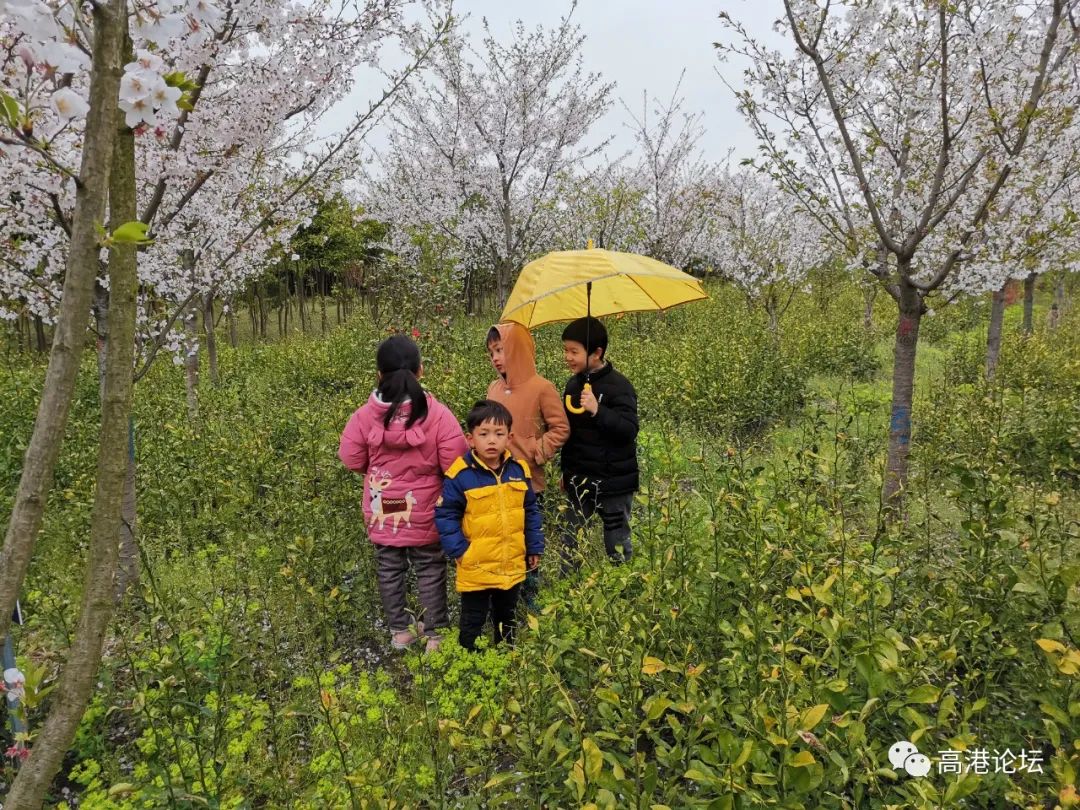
{"points": [[488, 410], [493, 335], [589, 332], [398, 361]]}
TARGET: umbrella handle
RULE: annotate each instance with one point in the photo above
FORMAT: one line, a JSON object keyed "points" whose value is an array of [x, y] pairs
{"points": [[569, 403]]}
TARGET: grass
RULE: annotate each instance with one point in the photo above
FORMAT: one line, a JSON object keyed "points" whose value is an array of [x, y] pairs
{"points": [[251, 668]]}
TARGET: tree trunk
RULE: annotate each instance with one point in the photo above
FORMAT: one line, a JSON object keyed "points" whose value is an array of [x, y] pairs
{"points": [[773, 309], [1059, 293], [191, 362], [234, 335], [903, 386], [264, 314], [21, 335], [287, 306], [211, 337], [502, 282], [993, 333], [300, 302], [41, 344], [130, 567], [251, 312], [1029, 302], [870, 292], [101, 322], [122, 208], [324, 324], [69, 334], [84, 657]]}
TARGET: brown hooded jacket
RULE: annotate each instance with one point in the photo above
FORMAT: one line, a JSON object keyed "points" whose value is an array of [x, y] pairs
{"points": [[540, 427]]}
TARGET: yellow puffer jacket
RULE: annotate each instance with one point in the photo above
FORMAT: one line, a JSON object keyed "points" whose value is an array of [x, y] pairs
{"points": [[488, 522]]}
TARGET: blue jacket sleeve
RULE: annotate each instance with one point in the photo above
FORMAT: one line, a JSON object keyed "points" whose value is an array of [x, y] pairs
{"points": [[534, 524], [448, 515]]}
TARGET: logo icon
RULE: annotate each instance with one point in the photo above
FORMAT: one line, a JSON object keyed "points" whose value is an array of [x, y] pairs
{"points": [[905, 755]]}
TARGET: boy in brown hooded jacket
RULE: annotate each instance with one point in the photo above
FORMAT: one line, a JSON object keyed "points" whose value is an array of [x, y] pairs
{"points": [[540, 424]]}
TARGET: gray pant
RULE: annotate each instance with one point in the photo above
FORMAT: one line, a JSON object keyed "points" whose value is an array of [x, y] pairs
{"points": [[428, 563], [614, 513]]}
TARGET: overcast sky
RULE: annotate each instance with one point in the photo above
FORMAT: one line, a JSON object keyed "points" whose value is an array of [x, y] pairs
{"points": [[642, 46]]}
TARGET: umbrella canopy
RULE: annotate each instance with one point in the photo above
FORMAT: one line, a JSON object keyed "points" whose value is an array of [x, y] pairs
{"points": [[569, 284]]}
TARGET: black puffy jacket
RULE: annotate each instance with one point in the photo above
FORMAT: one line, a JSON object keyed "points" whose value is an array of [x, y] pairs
{"points": [[602, 449]]}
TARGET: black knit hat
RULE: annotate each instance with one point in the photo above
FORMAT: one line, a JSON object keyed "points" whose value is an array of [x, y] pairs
{"points": [[589, 332]]}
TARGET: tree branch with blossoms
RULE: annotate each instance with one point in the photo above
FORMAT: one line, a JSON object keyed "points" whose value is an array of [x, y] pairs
{"points": [[882, 131]]}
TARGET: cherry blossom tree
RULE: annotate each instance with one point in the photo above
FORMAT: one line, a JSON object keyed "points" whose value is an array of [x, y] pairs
{"points": [[225, 108], [91, 181], [603, 204], [676, 182], [37, 154], [477, 149], [899, 124], [763, 241], [204, 190]]}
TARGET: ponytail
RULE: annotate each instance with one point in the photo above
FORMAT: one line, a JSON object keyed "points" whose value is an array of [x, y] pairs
{"points": [[399, 386], [398, 361]]}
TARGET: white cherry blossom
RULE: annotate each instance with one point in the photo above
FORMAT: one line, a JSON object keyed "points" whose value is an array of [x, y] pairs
{"points": [[138, 110], [62, 56], [67, 104]]}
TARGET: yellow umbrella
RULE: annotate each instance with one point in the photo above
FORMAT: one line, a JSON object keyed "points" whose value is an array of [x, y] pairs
{"points": [[567, 284]]}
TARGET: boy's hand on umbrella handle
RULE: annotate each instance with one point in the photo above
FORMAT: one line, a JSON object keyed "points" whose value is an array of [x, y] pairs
{"points": [[570, 403], [532, 562], [588, 400]]}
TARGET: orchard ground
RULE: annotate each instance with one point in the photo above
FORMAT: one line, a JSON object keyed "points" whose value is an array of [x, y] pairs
{"points": [[768, 645]]}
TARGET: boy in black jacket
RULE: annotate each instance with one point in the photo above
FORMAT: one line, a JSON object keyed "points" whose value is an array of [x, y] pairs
{"points": [[599, 460]]}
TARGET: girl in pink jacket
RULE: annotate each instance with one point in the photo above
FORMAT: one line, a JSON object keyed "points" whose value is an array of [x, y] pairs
{"points": [[402, 440]]}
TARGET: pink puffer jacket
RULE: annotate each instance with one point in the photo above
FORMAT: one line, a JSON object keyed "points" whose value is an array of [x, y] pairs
{"points": [[402, 469]]}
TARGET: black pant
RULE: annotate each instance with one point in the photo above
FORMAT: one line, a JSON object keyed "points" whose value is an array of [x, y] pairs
{"points": [[614, 515], [475, 606]]}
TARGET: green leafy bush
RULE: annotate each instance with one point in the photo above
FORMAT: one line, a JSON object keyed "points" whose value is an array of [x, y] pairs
{"points": [[766, 647]]}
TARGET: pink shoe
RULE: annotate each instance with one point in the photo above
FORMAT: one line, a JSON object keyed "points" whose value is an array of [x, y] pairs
{"points": [[402, 639], [433, 643]]}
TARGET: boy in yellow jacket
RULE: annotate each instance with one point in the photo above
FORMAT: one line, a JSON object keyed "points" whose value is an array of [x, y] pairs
{"points": [[489, 524], [536, 408]]}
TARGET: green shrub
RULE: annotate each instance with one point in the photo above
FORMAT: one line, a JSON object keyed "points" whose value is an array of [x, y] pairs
{"points": [[766, 646]]}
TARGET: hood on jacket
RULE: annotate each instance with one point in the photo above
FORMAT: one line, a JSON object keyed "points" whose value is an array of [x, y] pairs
{"points": [[519, 353], [396, 435]]}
